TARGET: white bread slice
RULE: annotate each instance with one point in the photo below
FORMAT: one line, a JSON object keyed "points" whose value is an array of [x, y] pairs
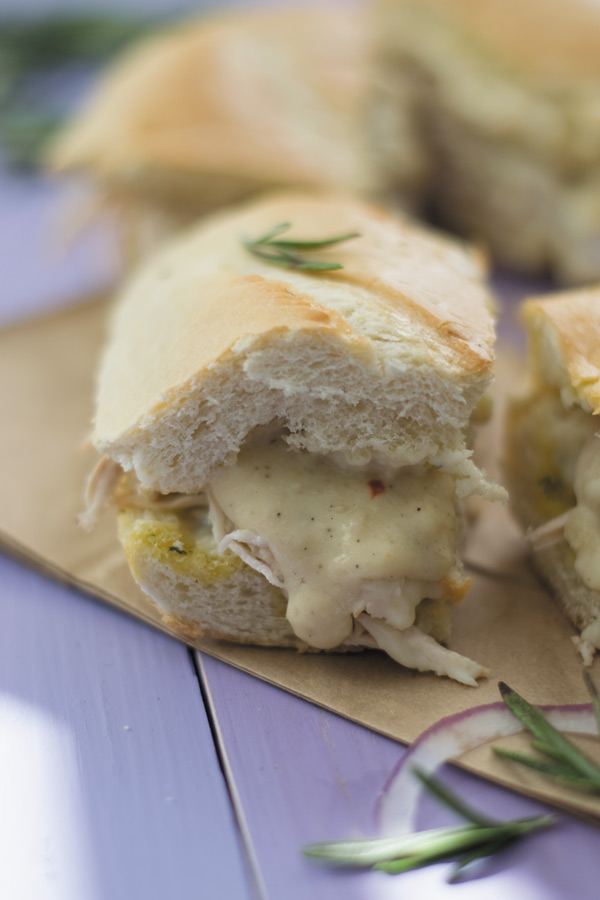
{"points": [[546, 432]]}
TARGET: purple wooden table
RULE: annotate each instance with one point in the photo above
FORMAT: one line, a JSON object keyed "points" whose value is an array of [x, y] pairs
{"points": [[130, 767]]}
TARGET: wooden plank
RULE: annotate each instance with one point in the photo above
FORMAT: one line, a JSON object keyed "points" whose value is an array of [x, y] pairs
{"points": [[300, 774], [110, 785]]}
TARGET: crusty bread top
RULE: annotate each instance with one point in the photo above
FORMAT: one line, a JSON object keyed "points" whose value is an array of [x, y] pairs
{"points": [[552, 39], [206, 330], [267, 97], [564, 333]]}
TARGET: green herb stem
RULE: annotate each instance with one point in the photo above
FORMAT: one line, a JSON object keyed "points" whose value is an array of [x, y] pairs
{"points": [[448, 846], [479, 838], [478, 853], [559, 746], [438, 790], [288, 254], [554, 770]]}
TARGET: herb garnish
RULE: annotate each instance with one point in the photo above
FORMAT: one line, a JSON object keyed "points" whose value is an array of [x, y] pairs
{"points": [[30, 49], [481, 837], [290, 254], [560, 758]]}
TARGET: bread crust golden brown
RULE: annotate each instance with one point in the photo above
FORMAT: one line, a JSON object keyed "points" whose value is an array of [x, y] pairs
{"points": [[565, 342]]}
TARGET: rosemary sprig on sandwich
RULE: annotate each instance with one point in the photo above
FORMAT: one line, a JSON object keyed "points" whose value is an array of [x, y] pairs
{"points": [[289, 254]]}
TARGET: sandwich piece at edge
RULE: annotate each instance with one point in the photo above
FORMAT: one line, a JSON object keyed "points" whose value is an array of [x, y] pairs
{"points": [[553, 454], [506, 94], [290, 448]]}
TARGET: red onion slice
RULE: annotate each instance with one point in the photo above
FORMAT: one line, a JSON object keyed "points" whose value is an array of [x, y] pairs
{"points": [[450, 738]]}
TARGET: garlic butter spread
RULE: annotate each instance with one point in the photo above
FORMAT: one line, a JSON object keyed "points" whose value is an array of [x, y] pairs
{"points": [[339, 540], [582, 527]]}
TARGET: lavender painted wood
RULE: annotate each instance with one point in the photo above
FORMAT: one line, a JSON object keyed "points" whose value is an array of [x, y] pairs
{"points": [[110, 787], [300, 774]]}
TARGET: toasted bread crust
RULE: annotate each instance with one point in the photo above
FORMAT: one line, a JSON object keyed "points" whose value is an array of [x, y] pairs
{"points": [[200, 299], [565, 340]]}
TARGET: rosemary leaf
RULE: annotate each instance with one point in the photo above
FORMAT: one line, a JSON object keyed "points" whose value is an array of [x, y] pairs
{"points": [[562, 772], [289, 254], [453, 844], [438, 790], [273, 233], [481, 837], [534, 721], [447, 846], [547, 749], [369, 852], [477, 854], [314, 245]]}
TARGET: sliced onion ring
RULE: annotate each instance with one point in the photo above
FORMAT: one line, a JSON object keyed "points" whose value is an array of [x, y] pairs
{"points": [[450, 738]]}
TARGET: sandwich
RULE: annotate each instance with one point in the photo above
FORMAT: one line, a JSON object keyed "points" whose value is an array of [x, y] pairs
{"points": [[284, 427], [506, 94], [553, 454], [222, 107]]}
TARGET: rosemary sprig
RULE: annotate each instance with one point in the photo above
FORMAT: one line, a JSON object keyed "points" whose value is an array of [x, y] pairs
{"points": [[481, 837], [290, 254], [30, 49], [564, 761]]}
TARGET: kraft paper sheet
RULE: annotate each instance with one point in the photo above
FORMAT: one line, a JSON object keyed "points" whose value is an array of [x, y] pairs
{"points": [[508, 622]]}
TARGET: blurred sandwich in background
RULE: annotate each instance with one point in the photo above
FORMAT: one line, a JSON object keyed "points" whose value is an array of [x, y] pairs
{"points": [[508, 101], [482, 114], [219, 108]]}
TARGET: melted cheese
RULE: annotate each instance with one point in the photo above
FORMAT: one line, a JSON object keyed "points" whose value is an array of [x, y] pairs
{"points": [[343, 542]]}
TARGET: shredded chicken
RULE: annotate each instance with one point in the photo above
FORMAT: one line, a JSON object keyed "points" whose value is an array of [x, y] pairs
{"points": [[255, 552], [108, 485], [549, 533], [99, 492], [416, 650], [130, 493]]}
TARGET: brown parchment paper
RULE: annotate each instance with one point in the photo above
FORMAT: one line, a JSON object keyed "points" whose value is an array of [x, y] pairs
{"points": [[507, 622]]}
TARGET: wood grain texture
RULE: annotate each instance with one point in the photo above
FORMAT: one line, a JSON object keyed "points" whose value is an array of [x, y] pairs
{"points": [[300, 774], [110, 786]]}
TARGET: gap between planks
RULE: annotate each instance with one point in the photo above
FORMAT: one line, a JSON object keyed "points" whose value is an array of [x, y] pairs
{"points": [[257, 885]]}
